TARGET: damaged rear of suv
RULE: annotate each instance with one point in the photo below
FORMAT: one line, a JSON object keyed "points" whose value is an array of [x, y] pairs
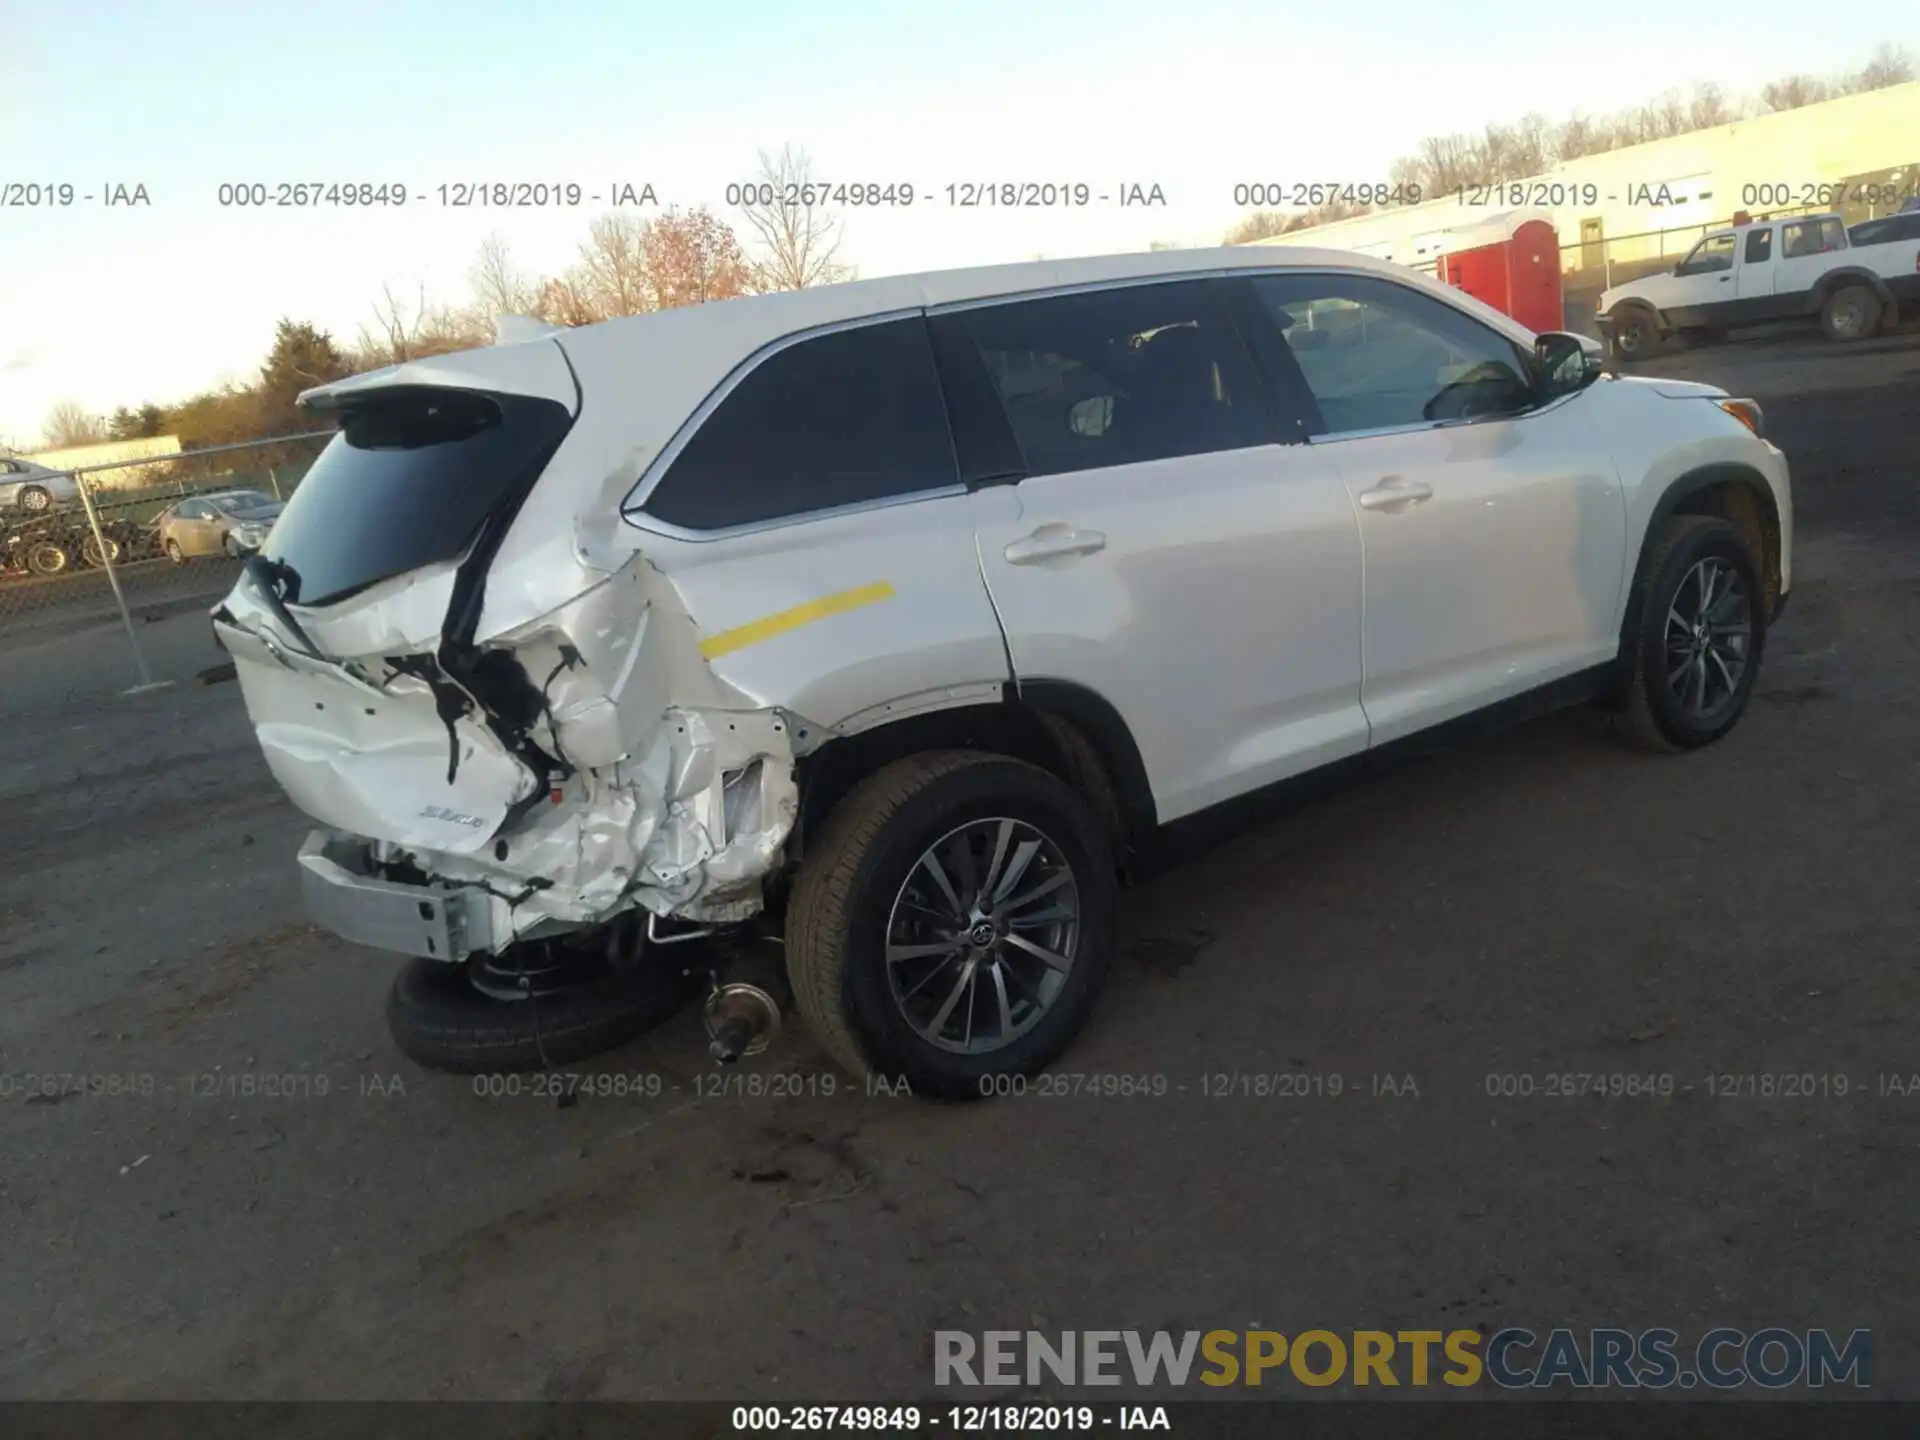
{"points": [[548, 638], [863, 634]]}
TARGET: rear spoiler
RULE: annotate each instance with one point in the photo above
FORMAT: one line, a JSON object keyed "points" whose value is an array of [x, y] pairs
{"points": [[520, 363]]}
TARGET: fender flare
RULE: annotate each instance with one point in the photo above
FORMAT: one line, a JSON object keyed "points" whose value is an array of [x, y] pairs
{"points": [[1676, 494], [1847, 275], [1634, 302]]}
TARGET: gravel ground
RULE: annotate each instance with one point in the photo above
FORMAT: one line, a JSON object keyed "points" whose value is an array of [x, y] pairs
{"points": [[1541, 903]]}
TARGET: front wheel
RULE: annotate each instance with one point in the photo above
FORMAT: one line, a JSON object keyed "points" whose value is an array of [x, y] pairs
{"points": [[954, 923], [1695, 653], [1636, 334], [95, 555]]}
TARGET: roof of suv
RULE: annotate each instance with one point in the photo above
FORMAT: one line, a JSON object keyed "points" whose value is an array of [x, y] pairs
{"points": [[714, 337]]}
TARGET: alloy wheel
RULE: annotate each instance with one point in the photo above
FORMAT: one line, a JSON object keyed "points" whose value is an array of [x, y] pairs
{"points": [[982, 935], [1709, 638]]}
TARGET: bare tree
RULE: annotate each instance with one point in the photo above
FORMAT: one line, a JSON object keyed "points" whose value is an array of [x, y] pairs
{"points": [[499, 286], [1794, 92], [799, 236], [1889, 65], [563, 302], [1710, 107], [70, 424], [612, 274], [404, 330], [1448, 162], [1260, 225]]}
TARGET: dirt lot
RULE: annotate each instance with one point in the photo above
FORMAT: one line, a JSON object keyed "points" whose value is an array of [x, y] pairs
{"points": [[1543, 903]]}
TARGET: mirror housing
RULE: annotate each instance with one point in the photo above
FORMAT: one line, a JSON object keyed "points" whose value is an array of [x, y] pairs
{"points": [[1568, 362]]}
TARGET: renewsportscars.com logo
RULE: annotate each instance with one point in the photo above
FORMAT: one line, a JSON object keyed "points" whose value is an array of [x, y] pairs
{"points": [[1513, 1358]]}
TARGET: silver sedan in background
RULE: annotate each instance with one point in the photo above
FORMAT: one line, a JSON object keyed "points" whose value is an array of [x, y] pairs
{"points": [[224, 522], [34, 488]]}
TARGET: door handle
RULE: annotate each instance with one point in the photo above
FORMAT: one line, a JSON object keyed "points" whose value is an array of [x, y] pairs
{"points": [[1393, 493], [1050, 541]]}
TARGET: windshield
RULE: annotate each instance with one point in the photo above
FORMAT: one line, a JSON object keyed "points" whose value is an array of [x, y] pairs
{"points": [[244, 502], [406, 483]]}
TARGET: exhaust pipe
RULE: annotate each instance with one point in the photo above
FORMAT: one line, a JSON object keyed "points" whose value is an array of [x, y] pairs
{"points": [[749, 992]]}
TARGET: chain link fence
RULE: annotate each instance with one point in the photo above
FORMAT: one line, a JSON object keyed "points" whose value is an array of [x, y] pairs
{"points": [[118, 547]]}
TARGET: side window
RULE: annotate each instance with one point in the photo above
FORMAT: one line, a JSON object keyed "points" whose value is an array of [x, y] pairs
{"points": [[1810, 237], [1375, 354], [1118, 377], [191, 510], [1711, 254], [842, 418], [1759, 246]]}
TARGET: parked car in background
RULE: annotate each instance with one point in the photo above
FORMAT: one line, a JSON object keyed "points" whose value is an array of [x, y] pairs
{"points": [[34, 488], [226, 522], [885, 620], [1905, 225], [1763, 273]]}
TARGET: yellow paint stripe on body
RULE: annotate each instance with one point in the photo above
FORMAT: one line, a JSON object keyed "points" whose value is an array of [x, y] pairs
{"points": [[779, 623]]}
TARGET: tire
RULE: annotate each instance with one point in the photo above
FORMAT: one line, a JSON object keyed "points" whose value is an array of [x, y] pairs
{"points": [[852, 896], [1656, 712], [1636, 334], [1851, 313], [34, 499], [175, 553], [441, 1021], [48, 557], [90, 551]]}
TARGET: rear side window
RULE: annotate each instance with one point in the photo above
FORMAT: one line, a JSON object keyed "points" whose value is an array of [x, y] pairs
{"points": [[1119, 377], [840, 419], [406, 483], [1810, 237]]}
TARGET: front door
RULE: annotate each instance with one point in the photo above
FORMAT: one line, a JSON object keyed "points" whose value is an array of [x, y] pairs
{"points": [[1494, 530]]}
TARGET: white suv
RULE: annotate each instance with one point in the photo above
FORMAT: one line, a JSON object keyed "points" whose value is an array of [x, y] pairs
{"points": [[874, 631]]}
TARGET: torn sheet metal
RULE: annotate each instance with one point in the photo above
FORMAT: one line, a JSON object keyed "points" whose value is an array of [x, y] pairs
{"points": [[680, 809]]}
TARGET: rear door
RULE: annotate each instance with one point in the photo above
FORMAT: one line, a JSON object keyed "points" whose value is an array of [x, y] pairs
{"points": [[1757, 277], [1168, 552]]}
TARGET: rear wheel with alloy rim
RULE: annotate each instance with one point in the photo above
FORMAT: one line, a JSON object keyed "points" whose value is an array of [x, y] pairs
{"points": [[1702, 629], [953, 924]]}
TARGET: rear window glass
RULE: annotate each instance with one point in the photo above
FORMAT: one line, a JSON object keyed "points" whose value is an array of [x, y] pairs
{"points": [[406, 483], [840, 419]]}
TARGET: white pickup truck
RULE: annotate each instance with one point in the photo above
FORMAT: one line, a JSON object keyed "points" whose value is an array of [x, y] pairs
{"points": [[1763, 273]]}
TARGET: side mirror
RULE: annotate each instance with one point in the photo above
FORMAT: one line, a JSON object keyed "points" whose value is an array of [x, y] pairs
{"points": [[1568, 362]]}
